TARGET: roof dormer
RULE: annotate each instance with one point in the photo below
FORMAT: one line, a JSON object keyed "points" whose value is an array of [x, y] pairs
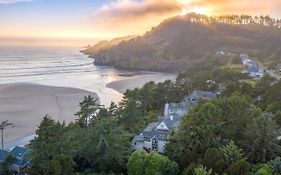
{"points": [[162, 126]]}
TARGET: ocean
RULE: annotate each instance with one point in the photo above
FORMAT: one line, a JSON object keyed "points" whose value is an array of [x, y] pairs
{"points": [[57, 66]]}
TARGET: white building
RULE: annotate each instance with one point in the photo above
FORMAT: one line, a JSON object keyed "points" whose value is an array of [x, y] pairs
{"points": [[220, 52], [255, 72], [252, 68], [154, 136]]}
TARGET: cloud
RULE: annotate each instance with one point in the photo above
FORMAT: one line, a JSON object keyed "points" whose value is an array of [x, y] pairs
{"points": [[12, 1], [137, 16], [129, 8], [122, 17]]}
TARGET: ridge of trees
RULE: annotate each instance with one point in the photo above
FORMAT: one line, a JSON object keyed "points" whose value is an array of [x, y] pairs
{"points": [[236, 19]]}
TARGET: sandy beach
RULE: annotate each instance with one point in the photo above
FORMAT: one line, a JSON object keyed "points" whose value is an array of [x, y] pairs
{"points": [[39, 81], [133, 82], [26, 104]]}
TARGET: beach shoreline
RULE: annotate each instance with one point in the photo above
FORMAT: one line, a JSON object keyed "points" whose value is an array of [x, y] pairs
{"points": [[25, 105], [131, 82], [35, 100]]}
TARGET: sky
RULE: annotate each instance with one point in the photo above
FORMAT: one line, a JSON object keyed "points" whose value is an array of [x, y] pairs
{"points": [[84, 21]]}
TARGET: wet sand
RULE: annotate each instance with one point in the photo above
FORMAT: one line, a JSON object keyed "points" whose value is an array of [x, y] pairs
{"points": [[25, 105], [133, 82]]}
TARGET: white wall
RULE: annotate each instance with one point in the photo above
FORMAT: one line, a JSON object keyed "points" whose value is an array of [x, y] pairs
{"points": [[138, 146], [147, 145], [161, 146]]}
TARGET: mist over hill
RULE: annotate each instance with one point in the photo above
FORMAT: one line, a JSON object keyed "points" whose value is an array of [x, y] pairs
{"points": [[103, 45], [180, 42]]}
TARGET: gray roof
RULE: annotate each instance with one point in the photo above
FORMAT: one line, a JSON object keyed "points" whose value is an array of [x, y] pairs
{"points": [[159, 134], [21, 162], [253, 69], [150, 127], [190, 101], [203, 94], [175, 106], [19, 151], [152, 131], [171, 124], [138, 138]]}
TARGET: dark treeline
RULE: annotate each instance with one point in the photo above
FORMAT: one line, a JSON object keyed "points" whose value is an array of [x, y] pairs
{"points": [[237, 19], [235, 134]]}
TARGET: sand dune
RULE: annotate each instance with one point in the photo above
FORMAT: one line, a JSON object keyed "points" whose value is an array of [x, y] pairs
{"points": [[26, 104]]}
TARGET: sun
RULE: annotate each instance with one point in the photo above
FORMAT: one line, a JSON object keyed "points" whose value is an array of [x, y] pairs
{"points": [[188, 8], [199, 10], [184, 1]]}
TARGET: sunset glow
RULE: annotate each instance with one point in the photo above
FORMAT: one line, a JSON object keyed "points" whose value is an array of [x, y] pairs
{"points": [[97, 19], [202, 10]]}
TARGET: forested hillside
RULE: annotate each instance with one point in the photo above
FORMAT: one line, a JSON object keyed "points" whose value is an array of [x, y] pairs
{"points": [[102, 45], [180, 42]]}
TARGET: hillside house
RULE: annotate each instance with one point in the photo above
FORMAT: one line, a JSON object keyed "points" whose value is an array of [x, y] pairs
{"points": [[252, 68], [220, 52], [20, 161], [181, 108], [255, 72], [154, 136]]}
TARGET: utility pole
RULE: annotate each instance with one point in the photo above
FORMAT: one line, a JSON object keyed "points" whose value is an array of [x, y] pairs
{"points": [[4, 125]]}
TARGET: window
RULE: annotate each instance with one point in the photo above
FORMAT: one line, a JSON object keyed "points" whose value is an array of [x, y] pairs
{"points": [[147, 138], [154, 144]]}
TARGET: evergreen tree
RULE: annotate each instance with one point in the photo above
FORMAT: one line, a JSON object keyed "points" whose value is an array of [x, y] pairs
{"points": [[61, 165], [231, 153], [46, 145], [130, 116], [276, 165], [89, 108], [214, 159], [195, 135], [105, 147]]}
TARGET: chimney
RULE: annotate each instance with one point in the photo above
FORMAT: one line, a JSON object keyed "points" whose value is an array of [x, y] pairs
{"points": [[171, 117], [166, 111]]}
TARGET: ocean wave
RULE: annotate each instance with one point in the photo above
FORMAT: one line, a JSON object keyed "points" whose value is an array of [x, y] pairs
{"points": [[29, 74], [19, 67], [31, 62]]}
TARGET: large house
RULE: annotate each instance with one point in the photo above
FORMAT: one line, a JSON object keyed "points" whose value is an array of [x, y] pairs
{"points": [[154, 136], [252, 68], [20, 162], [182, 108], [220, 52], [255, 72]]}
